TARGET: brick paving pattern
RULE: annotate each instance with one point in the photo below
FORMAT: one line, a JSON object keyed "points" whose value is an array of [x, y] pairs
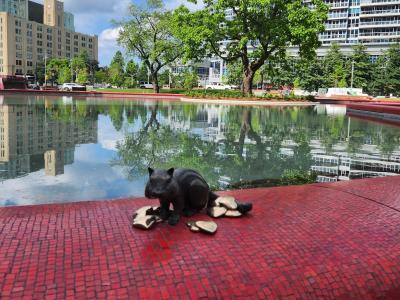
{"points": [[322, 241]]}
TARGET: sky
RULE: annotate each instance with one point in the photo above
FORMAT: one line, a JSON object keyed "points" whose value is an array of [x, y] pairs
{"points": [[95, 17]]}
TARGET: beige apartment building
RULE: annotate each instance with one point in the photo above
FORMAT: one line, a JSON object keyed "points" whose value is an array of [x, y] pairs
{"points": [[31, 32]]}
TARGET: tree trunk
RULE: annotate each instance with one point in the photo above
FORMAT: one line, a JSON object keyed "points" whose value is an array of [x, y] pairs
{"points": [[248, 77], [156, 86]]}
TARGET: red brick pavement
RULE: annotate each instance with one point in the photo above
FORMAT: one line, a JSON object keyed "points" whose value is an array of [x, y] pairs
{"points": [[337, 241]]}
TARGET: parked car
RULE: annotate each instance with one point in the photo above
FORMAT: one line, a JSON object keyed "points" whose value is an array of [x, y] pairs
{"points": [[145, 85], [68, 87], [33, 86], [221, 86]]}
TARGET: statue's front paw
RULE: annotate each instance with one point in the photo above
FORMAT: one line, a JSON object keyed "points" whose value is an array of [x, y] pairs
{"points": [[173, 219], [164, 214]]}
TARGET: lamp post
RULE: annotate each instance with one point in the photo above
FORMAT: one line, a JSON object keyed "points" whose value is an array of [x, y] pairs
{"points": [[45, 71], [352, 73]]}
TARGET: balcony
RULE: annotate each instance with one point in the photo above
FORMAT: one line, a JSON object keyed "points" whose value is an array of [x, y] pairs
{"points": [[380, 12], [338, 16], [367, 3], [378, 35], [380, 24]]}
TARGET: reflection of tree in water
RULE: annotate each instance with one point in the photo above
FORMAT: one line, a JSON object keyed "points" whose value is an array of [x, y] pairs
{"points": [[255, 142]]}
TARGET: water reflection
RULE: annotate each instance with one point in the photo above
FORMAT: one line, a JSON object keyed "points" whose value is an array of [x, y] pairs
{"points": [[79, 149], [43, 136]]}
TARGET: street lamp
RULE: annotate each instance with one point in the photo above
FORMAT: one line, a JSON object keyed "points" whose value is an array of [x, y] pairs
{"points": [[352, 73], [45, 71]]}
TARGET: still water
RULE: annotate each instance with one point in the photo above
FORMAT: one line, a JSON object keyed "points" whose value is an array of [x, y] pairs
{"points": [[71, 149]]}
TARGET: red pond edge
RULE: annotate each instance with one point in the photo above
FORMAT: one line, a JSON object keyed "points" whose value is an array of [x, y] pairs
{"points": [[86, 94], [320, 241]]}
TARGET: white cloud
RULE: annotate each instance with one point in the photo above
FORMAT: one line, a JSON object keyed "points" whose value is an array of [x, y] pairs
{"points": [[172, 4], [108, 137], [108, 45]]}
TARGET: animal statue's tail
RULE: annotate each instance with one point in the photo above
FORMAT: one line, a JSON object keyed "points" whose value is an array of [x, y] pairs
{"points": [[243, 208]]}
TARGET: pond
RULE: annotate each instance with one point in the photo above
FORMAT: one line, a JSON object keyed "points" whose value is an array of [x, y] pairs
{"points": [[64, 149]]}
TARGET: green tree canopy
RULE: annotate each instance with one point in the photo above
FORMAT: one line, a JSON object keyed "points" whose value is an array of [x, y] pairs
{"points": [[257, 31], [102, 75], [336, 67], [116, 70], [132, 70], [148, 35], [386, 78], [362, 74]]}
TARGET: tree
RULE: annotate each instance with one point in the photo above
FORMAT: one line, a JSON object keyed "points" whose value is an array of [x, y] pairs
{"points": [[132, 71], [116, 71], [143, 74], [82, 76], [281, 72], [39, 72], [79, 63], [64, 74], [393, 70], [102, 76], [58, 70], [362, 74], [311, 74], [336, 68], [165, 77], [234, 73], [386, 74], [258, 31], [190, 80], [148, 34]]}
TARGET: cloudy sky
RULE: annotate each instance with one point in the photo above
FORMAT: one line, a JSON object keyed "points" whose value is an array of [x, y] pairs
{"points": [[95, 17]]}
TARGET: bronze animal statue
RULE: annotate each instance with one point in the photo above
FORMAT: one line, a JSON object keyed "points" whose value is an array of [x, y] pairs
{"points": [[186, 190]]}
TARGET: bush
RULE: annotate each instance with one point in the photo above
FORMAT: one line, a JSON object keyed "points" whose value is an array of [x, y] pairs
{"points": [[239, 95], [214, 94], [296, 177]]}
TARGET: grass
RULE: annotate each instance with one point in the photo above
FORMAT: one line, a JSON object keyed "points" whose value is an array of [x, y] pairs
{"points": [[141, 91]]}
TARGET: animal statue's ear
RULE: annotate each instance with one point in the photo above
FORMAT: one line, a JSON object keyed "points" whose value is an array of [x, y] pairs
{"points": [[171, 171], [151, 171]]}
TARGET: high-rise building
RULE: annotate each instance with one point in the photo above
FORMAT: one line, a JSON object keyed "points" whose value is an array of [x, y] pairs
{"points": [[374, 23], [31, 32]]}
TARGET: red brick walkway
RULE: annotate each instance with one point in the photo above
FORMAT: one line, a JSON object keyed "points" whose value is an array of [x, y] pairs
{"points": [[332, 241]]}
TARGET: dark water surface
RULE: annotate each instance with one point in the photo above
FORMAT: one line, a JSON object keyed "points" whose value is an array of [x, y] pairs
{"points": [[61, 149]]}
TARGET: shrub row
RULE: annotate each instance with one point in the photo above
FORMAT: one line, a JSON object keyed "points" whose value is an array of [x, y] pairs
{"points": [[238, 95]]}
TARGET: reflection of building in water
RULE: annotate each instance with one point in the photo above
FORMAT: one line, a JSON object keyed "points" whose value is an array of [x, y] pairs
{"points": [[30, 140], [209, 123], [341, 165]]}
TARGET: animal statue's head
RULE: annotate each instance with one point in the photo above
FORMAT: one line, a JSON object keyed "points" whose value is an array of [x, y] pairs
{"points": [[159, 181]]}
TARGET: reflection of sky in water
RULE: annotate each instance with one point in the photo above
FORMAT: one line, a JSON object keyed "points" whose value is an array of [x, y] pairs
{"points": [[227, 145], [89, 177]]}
